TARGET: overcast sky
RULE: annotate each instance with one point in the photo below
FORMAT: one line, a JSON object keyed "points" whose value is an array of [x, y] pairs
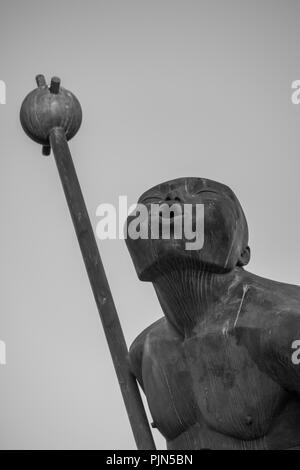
{"points": [[168, 88]]}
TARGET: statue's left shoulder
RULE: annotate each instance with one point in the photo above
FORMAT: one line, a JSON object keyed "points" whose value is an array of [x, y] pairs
{"points": [[274, 303], [280, 335], [282, 310], [270, 329]]}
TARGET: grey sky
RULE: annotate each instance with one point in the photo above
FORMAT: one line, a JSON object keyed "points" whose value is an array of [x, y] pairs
{"points": [[168, 89]]}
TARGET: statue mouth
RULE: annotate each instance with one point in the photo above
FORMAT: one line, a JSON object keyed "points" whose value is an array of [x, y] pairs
{"points": [[170, 216]]}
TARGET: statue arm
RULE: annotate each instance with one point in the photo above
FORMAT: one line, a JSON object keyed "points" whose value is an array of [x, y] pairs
{"points": [[136, 352], [136, 359]]}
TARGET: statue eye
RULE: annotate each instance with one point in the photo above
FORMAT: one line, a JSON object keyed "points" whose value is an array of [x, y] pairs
{"points": [[206, 190], [151, 200]]}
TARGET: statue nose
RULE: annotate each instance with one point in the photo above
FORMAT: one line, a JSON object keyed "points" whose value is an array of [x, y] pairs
{"points": [[173, 197]]}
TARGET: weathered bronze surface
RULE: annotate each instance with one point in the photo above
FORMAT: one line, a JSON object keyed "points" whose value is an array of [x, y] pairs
{"points": [[218, 368]]}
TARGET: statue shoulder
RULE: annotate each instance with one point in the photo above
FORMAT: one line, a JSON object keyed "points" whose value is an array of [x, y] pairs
{"points": [[284, 326], [278, 342], [157, 336], [139, 341], [136, 350], [273, 302], [268, 327]]}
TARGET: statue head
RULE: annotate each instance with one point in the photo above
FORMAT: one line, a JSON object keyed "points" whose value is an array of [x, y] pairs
{"points": [[221, 221]]}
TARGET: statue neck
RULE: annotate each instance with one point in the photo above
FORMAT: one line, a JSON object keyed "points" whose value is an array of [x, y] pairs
{"points": [[189, 296]]}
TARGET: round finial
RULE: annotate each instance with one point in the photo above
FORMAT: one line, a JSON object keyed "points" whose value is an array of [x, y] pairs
{"points": [[48, 107]]}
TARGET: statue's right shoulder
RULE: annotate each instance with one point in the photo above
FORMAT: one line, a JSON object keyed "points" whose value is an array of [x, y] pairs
{"points": [[139, 341], [136, 351]]}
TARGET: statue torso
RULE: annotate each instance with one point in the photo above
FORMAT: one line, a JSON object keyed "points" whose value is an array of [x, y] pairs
{"points": [[210, 389]]}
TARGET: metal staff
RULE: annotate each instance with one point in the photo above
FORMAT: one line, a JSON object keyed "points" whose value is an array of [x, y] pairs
{"points": [[51, 116]]}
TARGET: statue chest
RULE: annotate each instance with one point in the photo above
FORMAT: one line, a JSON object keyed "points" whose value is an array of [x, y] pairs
{"points": [[233, 395], [209, 379]]}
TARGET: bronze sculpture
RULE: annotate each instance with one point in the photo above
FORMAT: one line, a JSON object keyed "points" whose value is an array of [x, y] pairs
{"points": [[217, 369], [220, 369]]}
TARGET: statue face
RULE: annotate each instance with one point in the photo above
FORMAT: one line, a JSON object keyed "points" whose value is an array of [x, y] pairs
{"points": [[225, 228]]}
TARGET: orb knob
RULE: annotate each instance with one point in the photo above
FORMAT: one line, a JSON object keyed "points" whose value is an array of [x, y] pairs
{"points": [[45, 108]]}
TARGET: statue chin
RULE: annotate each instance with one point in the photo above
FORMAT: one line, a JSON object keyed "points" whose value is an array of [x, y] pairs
{"points": [[155, 258]]}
